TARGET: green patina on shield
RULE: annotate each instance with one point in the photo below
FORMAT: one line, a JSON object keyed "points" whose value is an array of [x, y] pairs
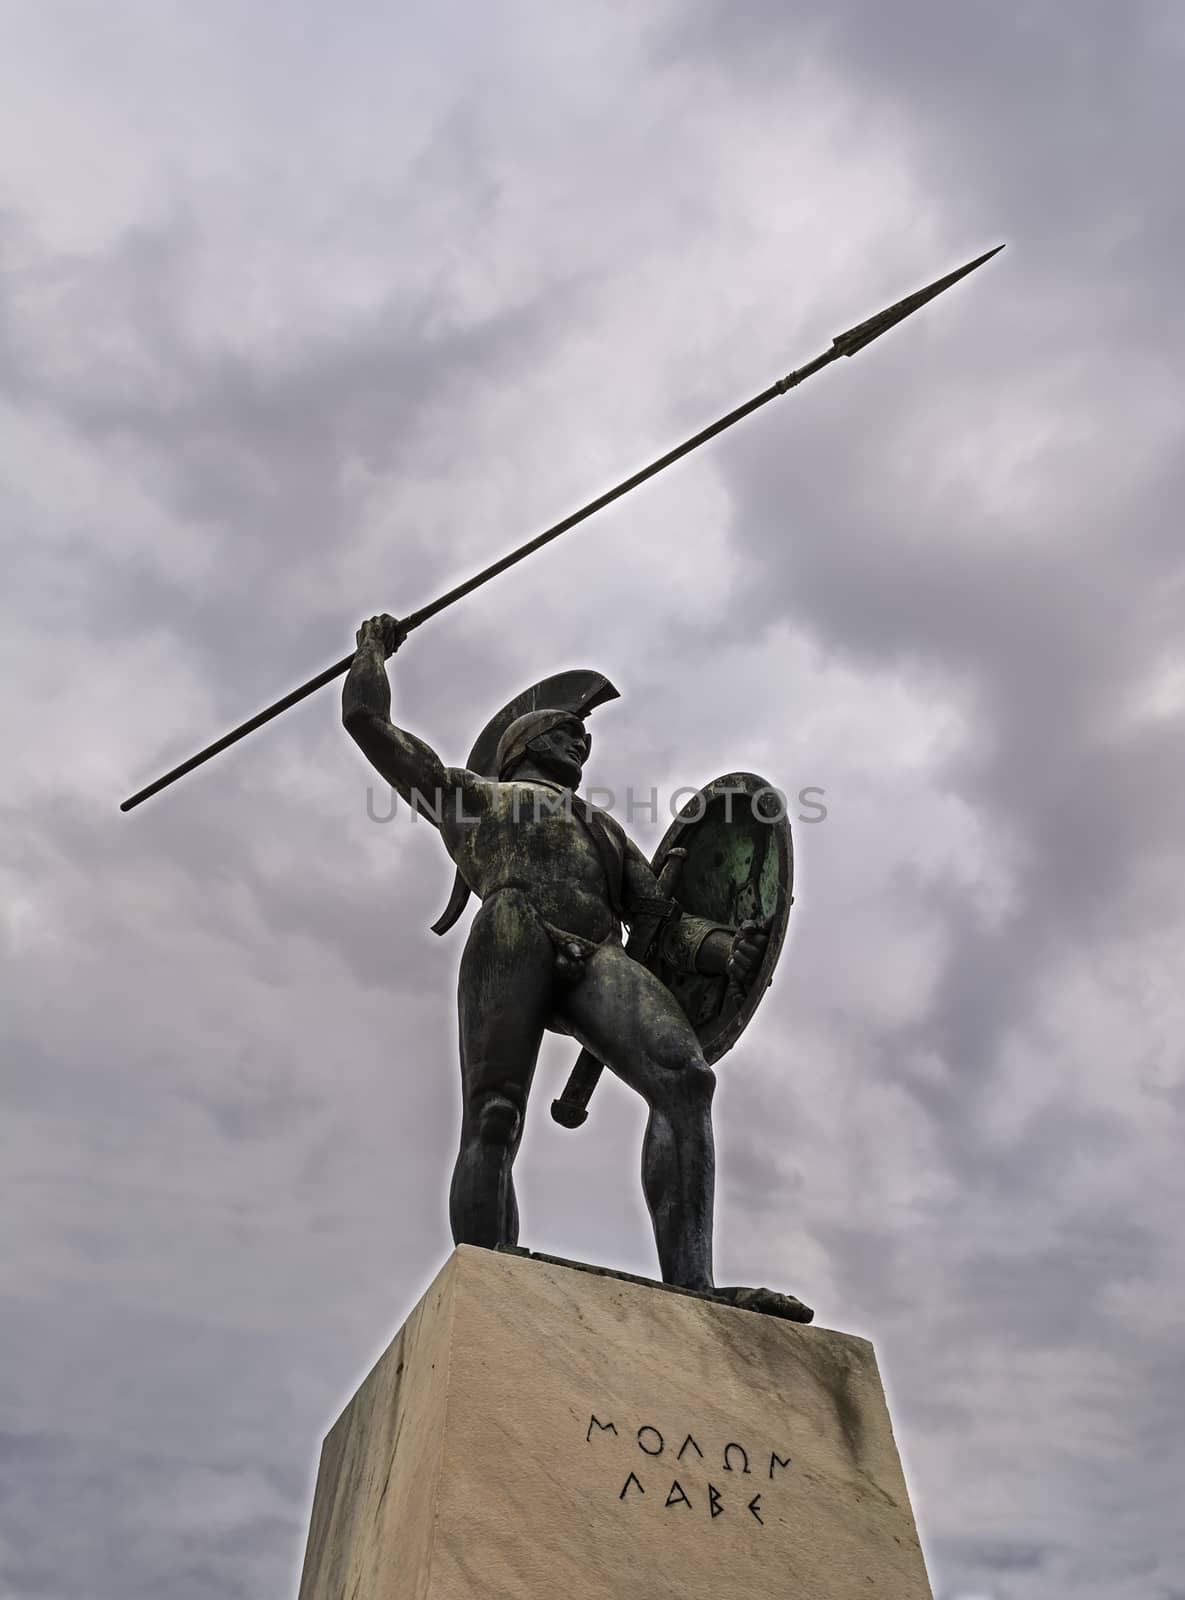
{"points": [[739, 866]]}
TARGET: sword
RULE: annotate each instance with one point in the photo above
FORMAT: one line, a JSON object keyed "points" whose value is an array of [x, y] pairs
{"points": [[844, 344]]}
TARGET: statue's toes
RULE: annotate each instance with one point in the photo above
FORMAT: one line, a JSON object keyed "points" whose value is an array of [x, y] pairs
{"points": [[768, 1301]]}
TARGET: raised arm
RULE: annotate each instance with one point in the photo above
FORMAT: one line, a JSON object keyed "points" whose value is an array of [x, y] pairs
{"points": [[406, 762]]}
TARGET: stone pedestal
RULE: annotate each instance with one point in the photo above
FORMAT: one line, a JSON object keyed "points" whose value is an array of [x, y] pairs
{"points": [[536, 1430]]}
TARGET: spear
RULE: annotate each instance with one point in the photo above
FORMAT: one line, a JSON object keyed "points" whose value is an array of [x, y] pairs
{"points": [[844, 344]]}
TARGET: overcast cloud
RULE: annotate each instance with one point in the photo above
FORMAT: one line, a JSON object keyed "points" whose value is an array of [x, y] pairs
{"points": [[307, 312]]}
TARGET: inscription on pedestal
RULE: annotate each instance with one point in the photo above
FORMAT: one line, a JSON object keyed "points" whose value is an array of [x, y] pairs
{"points": [[732, 1456]]}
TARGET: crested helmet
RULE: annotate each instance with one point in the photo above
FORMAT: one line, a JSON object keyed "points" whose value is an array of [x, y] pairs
{"points": [[512, 746]]}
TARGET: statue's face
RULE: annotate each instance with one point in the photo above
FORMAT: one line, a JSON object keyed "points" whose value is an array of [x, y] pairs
{"points": [[561, 753]]}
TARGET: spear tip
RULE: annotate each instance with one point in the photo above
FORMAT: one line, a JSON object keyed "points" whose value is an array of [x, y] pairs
{"points": [[846, 344]]}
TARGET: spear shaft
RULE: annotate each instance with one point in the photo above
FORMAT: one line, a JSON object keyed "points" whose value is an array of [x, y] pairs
{"points": [[844, 344]]}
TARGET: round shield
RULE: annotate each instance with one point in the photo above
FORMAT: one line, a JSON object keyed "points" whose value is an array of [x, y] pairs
{"points": [[739, 866]]}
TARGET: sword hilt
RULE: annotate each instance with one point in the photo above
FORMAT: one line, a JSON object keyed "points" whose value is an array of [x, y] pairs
{"points": [[571, 1108]]}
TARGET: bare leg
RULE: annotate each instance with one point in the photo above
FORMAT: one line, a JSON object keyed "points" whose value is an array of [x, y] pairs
{"points": [[503, 1002], [637, 1027]]}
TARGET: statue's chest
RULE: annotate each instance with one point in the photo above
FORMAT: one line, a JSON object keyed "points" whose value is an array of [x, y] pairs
{"points": [[546, 836]]}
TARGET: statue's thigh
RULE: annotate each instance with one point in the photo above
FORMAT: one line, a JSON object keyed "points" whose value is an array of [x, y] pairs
{"points": [[629, 1020], [504, 990]]}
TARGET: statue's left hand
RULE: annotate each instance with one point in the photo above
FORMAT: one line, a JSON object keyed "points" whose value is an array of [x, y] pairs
{"points": [[748, 952]]}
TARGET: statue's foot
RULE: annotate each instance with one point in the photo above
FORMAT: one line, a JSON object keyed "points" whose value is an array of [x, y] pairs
{"points": [[773, 1304]]}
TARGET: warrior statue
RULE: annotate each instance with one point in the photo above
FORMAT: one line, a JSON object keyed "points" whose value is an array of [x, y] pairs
{"points": [[557, 878]]}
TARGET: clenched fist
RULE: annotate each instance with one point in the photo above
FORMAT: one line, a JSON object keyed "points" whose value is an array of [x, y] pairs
{"points": [[380, 633], [747, 953]]}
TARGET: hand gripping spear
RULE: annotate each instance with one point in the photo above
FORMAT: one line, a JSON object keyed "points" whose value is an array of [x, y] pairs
{"points": [[844, 344]]}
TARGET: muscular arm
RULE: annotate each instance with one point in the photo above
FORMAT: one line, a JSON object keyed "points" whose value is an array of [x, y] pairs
{"points": [[406, 762], [693, 943], [700, 946], [638, 880]]}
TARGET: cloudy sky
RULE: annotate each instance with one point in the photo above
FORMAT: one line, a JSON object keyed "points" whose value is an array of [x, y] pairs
{"points": [[307, 312]]}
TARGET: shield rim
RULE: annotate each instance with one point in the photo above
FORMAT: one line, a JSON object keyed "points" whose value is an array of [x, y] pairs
{"points": [[750, 784]]}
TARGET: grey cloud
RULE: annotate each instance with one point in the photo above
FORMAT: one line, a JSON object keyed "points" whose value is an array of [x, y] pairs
{"points": [[248, 452], [228, 1075]]}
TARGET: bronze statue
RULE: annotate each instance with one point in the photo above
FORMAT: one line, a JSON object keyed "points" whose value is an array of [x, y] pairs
{"points": [[556, 878]]}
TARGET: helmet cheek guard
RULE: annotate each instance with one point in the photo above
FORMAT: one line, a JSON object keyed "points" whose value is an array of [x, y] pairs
{"points": [[513, 744]]}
